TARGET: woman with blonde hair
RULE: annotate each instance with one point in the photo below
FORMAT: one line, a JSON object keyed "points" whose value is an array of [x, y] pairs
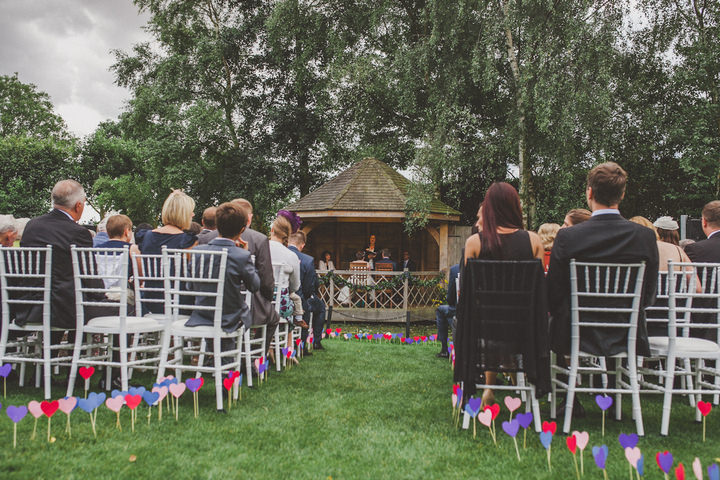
{"points": [[547, 233]]}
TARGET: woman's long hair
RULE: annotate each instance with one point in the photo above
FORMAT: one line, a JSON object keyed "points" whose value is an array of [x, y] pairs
{"points": [[500, 208]]}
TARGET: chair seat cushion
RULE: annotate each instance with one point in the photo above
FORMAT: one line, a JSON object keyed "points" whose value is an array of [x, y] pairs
{"points": [[684, 347], [110, 324], [160, 317], [178, 328]]}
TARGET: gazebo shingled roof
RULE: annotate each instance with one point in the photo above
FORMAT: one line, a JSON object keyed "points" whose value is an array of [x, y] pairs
{"points": [[368, 185]]}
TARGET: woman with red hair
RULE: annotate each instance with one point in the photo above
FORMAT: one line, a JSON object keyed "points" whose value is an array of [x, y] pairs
{"points": [[502, 237]]}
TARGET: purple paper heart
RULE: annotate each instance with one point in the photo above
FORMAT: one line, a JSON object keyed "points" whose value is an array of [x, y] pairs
{"points": [[664, 461], [474, 404], [193, 384], [524, 419], [713, 471], [603, 402], [284, 351], [628, 440], [511, 427], [16, 413], [600, 455], [459, 396], [5, 370]]}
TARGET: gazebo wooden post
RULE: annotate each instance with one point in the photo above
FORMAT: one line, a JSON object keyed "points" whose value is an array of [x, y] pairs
{"points": [[331, 301], [406, 293]]}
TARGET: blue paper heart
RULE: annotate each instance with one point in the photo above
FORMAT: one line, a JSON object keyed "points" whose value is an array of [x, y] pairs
{"points": [[136, 390], [459, 397], [714, 471], [97, 399], [546, 439], [151, 398], [641, 465], [600, 455], [86, 404], [525, 419], [603, 402], [115, 393], [629, 440], [511, 427]]}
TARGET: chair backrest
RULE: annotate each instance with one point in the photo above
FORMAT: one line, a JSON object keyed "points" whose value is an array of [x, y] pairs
{"points": [[383, 267], [148, 282], [605, 296], [25, 280], [690, 306], [191, 274], [281, 274], [94, 285]]}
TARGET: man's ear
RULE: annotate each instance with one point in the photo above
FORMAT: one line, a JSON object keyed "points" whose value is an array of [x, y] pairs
{"points": [[704, 222]]}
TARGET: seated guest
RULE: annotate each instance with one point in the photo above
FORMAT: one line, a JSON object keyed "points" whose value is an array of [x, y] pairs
{"points": [[177, 213], [407, 263], [209, 230], [667, 230], [576, 216], [309, 289], [501, 237], [606, 237], [8, 234], [101, 235], [119, 229], [708, 250], [194, 229], [140, 231], [685, 242], [666, 250], [326, 262], [385, 260], [445, 313], [231, 221], [547, 233]]}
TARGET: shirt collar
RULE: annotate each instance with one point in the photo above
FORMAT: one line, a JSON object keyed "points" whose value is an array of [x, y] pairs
{"points": [[66, 214], [221, 241], [713, 233], [606, 211]]}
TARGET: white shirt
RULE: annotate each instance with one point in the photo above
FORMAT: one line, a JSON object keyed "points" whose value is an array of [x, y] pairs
{"points": [[713, 233], [279, 253], [606, 211], [66, 213]]}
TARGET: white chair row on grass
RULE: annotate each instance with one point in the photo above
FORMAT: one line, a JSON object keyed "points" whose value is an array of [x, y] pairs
{"points": [[606, 298], [167, 283]]}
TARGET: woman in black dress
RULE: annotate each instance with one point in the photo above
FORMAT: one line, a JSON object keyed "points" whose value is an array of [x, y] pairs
{"points": [[501, 237]]}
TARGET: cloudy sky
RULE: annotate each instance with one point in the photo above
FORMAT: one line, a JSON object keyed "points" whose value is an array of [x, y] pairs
{"points": [[64, 48]]}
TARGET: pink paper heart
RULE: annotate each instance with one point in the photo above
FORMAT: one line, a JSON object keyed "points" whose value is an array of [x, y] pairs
{"points": [[485, 417], [115, 404], [512, 404], [697, 469], [454, 400], [67, 404], [35, 409], [633, 455], [177, 389], [582, 439], [162, 391]]}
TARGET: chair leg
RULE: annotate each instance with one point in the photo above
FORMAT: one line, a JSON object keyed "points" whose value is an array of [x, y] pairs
{"points": [[277, 348], [667, 398], [248, 357], [178, 355], [553, 387], [164, 351], [238, 360], [535, 408], [570, 398], [217, 358], [124, 362], [698, 378], [618, 396], [687, 365], [637, 408], [47, 366], [716, 397], [74, 364], [201, 357], [133, 354]]}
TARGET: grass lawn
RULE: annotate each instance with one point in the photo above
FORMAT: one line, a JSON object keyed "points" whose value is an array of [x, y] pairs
{"points": [[355, 410]]}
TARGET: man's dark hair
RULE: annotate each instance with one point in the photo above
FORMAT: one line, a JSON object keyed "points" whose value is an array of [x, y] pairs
{"points": [[298, 237], [386, 252], [608, 181], [208, 218], [711, 213], [231, 219]]}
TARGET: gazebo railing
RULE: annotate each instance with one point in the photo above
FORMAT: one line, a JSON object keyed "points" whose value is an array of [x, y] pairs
{"points": [[381, 290]]}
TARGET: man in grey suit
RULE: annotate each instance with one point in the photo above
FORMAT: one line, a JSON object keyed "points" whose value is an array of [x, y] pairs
{"points": [[209, 230], [239, 271], [263, 312]]}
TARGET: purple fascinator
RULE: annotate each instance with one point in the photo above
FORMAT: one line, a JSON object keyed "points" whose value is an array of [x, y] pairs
{"points": [[293, 217]]}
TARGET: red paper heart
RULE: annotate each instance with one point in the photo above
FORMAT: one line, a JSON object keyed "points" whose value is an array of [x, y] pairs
{"points": [[549, 427], [133, 401], [202, 382], [387, 336], [236, 374], [571, 442], [49, 408], [86, 372], [680, 472], [297, 341], [704, 407], [338, 330], [416, 339], [228, 383], [424, 338], [494, 409]]}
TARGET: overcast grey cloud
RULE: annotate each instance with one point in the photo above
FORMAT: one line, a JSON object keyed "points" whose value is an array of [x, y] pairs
{"points": [[64, 47]]}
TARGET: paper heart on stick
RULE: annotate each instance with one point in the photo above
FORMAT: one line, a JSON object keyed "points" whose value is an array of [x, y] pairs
{"points": [[512, 404], [549, 427], [162, 391], [97, 399], [86, 405], [680, 472], [697, 468], [193, 384], [524, 419], [116, 393], [511, 428], [86, 372], [603, 402], [714, 472], [133, 401], [115, 403], [632, 454], [5, 370], [664, 461], [704, 407], [151, 398], [177, 389], [571, 443], [485, 417], [494, 408], [600, 455], [67, 405], [454, 399], [546, 439], [136, 390], [16, 413], [35, 409], [228, 383], [628, 440], [474, 404], [582, 439], [49, 408]]}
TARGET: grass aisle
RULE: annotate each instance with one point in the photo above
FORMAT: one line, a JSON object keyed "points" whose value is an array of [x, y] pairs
{"points": [[356, 410]]}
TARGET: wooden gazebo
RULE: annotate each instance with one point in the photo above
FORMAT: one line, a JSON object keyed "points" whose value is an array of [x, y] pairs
{"points": [[369, 199]]}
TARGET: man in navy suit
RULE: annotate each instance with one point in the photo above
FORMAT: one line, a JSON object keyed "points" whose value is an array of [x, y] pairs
{"points": [[445, 313], [308, 289], [707, 250], [231, 220], [386, 260]]}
